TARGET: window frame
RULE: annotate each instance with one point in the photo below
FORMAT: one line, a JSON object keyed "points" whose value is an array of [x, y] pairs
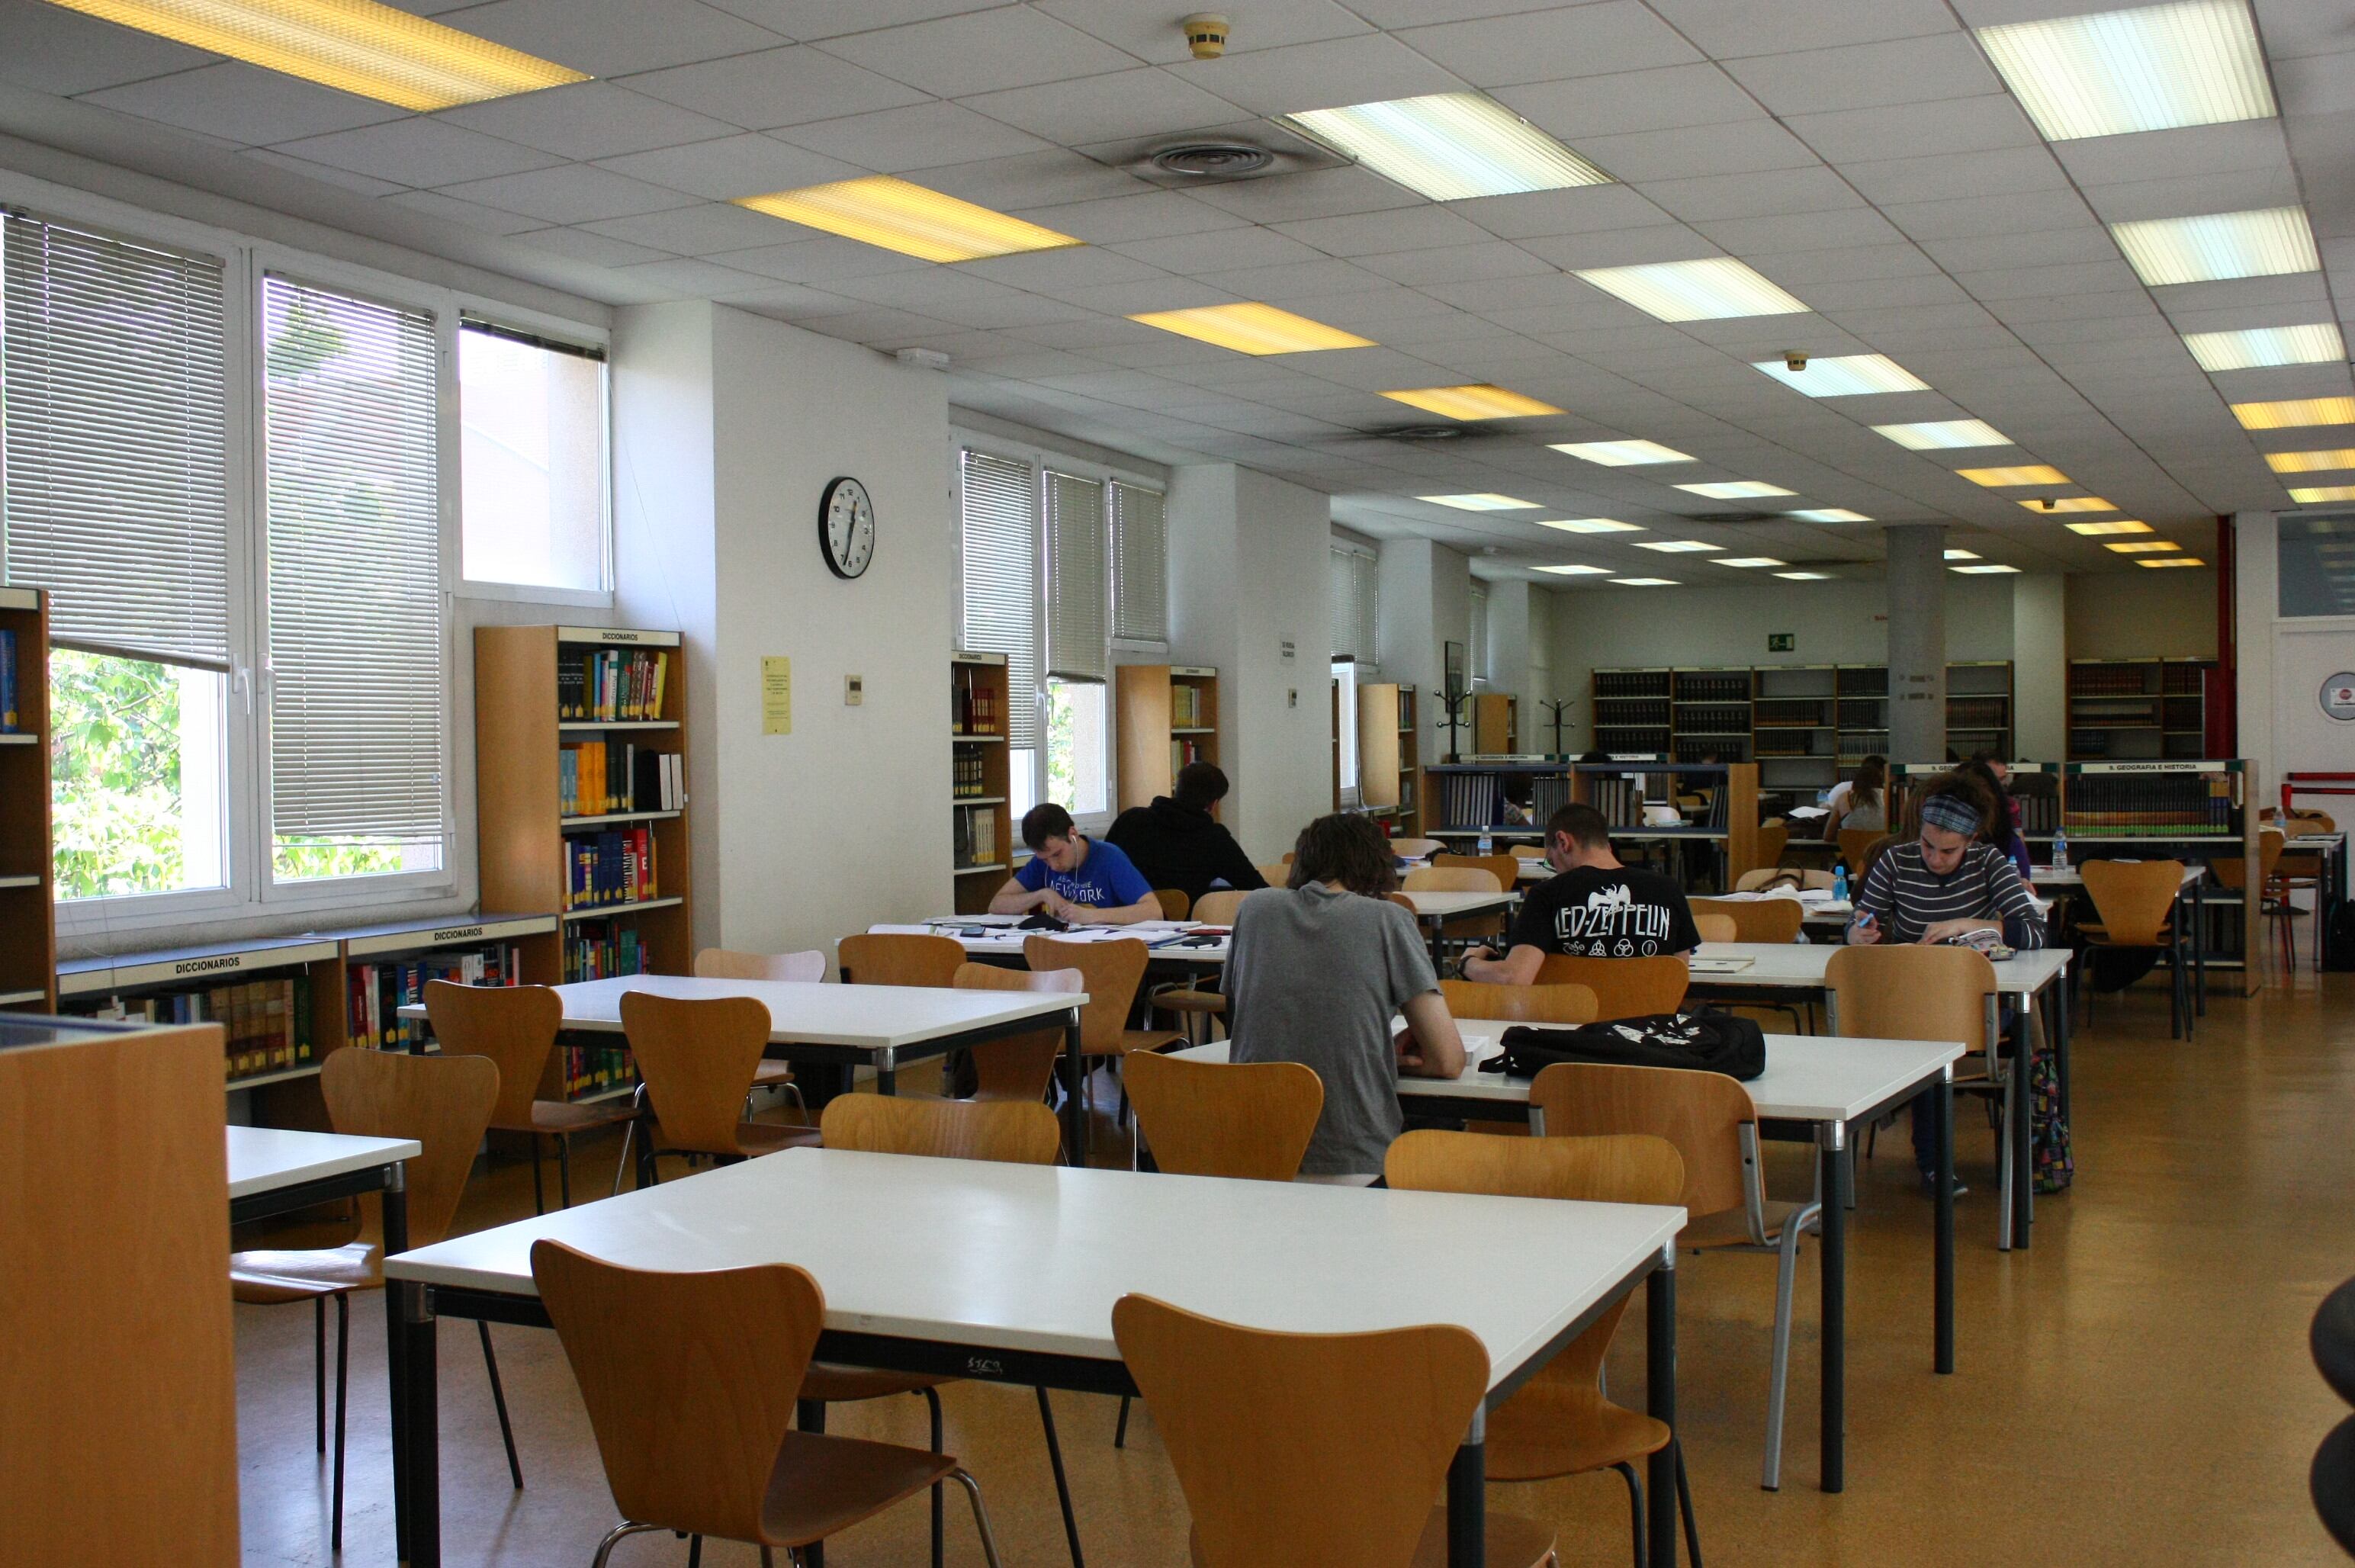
{"points": [[490, 590]]}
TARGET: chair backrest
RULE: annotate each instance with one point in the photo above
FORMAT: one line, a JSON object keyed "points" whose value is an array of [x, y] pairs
{"points": [[719, 964], [514, 1026], [2232, 871], [1505, 868], [1749, 881], [1528, 852], [1623, 988], [1405, 903], [1009, 1131], [1754, 920], [1303, 1450], [443, 1101], [1111, 973], [899, 958], [1519, 1003], [1174, 901], [1854, 842], [1218, 908], [1415, 849], [1701, 1112], [698, 1056], [1773, 836], [1275, 873], [689, 1419], [1906, 991], [1020, 1066], [2133, 897], [1451, 880], [1714, 927], [1246, 1119]]}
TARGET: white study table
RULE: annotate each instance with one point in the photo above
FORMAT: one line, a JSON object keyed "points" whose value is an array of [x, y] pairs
{"points": [[1817, 1087], [1009, 1273]]}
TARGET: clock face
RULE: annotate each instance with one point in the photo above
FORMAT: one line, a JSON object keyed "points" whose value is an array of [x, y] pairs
{"points": [[846, 527]]}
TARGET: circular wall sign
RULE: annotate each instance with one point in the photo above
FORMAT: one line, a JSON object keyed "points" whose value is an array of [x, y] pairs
{"points": [[2337, 696]]}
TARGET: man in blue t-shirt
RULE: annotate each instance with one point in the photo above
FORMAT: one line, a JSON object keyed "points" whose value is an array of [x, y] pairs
{"points": [[1072, 878]]}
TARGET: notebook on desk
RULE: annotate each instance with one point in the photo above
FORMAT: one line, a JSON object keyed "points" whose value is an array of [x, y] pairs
{"points": [[1734, 966]]}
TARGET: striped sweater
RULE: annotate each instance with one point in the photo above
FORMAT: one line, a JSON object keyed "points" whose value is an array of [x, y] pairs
{"points": [[1906, 898]]}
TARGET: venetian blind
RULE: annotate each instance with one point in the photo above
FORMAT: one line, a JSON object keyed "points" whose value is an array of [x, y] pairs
{"points": [[1076, 646], [1480, 635], [352, 512], [1140, 564], [113, 443], [1352, 594], [999, 534]]}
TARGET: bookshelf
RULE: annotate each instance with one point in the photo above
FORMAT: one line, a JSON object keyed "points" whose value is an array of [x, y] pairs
{"points": [[1634, 709], [981, 834], [2141, 710], [1978, 708], [1388, 767], [1513, 799], [580, 791], [27, 861], [1167, 715], [1496, 723]]}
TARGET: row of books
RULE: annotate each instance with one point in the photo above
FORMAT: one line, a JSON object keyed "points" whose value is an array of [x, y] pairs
{"points": [[1792, 711], [600, 777], [615, 867], [2111, 680], [8, 680], [1183, 749], [974, 709], [377, 992], [969, 776], [975, 839], [2149, 805], [1188, 710], [1976, 712], [1732, 685], [1714, 721], [1624, 711], [611, 684], [601, 955], [268, 1022], [1631, 683], [591, 1069]]}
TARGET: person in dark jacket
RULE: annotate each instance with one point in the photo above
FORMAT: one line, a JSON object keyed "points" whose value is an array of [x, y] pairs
{"points": [[1176, 841]]}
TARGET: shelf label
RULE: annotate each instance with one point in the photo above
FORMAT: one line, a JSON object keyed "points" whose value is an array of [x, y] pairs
{"points": [[776, 695]]}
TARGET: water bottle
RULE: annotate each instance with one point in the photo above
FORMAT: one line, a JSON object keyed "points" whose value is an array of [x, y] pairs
{"points": [[1487, 844], [1840, 884], [2060, 848]]}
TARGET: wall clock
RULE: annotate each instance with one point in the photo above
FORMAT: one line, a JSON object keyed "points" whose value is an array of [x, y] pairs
{"points": [[846, 526]]}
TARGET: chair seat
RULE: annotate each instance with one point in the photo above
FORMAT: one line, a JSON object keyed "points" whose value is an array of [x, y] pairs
{"points": [[753, 1139], [1548, 1430], [1190, 1001], [822, 1485], [1730, 1227], [1136, 1040], [831, 1383], [772, 1074], [271, 1278], [557, 1116], [1512, 1542]]}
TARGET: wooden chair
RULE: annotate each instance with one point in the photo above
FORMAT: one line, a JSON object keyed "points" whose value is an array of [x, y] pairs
{"points": [[1774, 838], [2299, 871], [1527, 852], [698, 1056], [695, 1422], [1560, 1423], [1174, 901], [1247, 1120], [1112, 972], [2231, 876], [1507, 868], [516, 1027], [2134, 901], [1853, 843], [1754, 920], [1715, 927], [1199, 1008], [1275, 873], [1468, 874], [1519, 1003], [1752, 880], [444, 1103], [1416, 849], [719, 964], [1219, 907], [1710, 1120], [1623, 988], [1021, 1066], [899, 958], [1314, 1450]]}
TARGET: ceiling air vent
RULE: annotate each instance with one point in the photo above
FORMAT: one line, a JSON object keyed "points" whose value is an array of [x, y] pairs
{"points": [[1733, 516], [1215, 155], [1213, 160]]}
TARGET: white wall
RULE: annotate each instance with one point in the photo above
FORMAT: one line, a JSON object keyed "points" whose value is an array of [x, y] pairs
{"points": [[1508, 641], [2039, 673]]}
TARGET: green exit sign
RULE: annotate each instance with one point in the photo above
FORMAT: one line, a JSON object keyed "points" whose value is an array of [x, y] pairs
{"points": [[1782, 642]]}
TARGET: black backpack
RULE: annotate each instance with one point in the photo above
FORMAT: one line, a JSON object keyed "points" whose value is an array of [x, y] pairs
{"points": [[2337, 938], [1703, 1041]]}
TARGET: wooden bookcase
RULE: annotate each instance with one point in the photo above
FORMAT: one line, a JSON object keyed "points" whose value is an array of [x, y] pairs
{"points": [[28, 959], [523, 838], [2143, 709], [1496, 724], [1166, 716], [1388, 769], [981, 831]]}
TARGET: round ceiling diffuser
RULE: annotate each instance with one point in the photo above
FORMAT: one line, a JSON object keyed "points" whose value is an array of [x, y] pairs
{"points": [[1213, 160]]}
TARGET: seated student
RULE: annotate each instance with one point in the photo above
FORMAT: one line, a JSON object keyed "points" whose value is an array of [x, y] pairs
{"points": [[1315, 973], [2002, 828], [1073, 879], [1176, 843], [1860, 801], [1593, 906]]}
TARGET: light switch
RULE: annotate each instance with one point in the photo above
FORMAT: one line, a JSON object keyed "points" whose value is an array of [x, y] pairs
{"points": [[854, 691]]}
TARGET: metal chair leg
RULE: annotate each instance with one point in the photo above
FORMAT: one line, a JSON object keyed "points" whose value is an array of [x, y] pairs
{"points": [[614, 1538], [695, 1551], [538, 1194], [1635, 1505], [2010, 1130], [1779, 1377], [564, 1169], [319, 1364], [932, 1398], [343, 1366], [1685, 1504], [499, 1399], [1119, 1431], [980, 1515], [1062, 1485]]}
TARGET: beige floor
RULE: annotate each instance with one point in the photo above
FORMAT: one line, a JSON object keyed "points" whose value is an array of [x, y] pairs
{"points": [[2135, 1389]]}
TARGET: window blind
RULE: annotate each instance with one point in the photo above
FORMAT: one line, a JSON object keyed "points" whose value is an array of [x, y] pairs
{"points": [[1479, 650], [352, 507], [1353, 596], [999, 534], [113, 443], [1140, 564], [1076, 646]]}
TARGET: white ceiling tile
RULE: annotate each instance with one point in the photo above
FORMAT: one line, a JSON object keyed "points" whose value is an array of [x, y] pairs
{"points": [[775, 87], [917, 136], [2298, 27], [1955, 176], [1386, 233], [2248, 145], [1299, 280], [785, 301], [1581, 210], [614, 37], [1570, 41], [980, 52], [1032, 180], [1119, 105], [1848, 263], [574, 193], [1321, 193], [1621, 247], [1147, 215], [1775, 192], [588, 120], [1848, 295], [466, 214], [951, 295], [1782, 234], [2314, 84], [702, 229], [1362, 70], [1729, 29], [364, 184], [2305, 289], [1864, 76], [598, 250], [244, 103], [819, 259], [2030, 212], [1059, 272], [1942, 125], [54, 50], [1980, 254], [2112, 276], [1221, 251], [1456, 263], [2030, 309], [1633, 100], [805, 20], [419, 153], [746, 164], [2235, 192], [1149, 30]]}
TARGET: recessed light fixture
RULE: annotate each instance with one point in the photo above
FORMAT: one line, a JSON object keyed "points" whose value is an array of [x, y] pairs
{"points": [[1828, 515], [1843, 375], [1982, 570], [1675, 547], [2295, 411], [1448, 145], [2311, 462], [1942, 435], [2172, 561], [1645, 581], [1710, 290], [1736, 489], [1962, 555], [2265, 243], [899, 216], [1249, 328], [1577, 570], [2150, 68], [357, 46], [2123, 525], [1589, 525], [2143, 547], [1621, 453], [1474, 403], [2025, 474], [2255, 348], [2069, 503], [1747, 560], [1486, 501], [2312, 495], [1805, 576]]}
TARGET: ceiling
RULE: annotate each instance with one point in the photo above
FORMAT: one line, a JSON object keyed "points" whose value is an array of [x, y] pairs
{"points": [[1860, 153]]}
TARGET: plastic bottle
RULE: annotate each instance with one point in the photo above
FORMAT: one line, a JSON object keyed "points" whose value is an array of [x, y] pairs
{"points": [[1840, 884], [1487, 844], [2060, 848]]}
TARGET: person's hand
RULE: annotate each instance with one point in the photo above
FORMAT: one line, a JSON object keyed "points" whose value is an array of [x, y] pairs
{"points": [[1863, 931], [1947, 929], [1409, 1049], [1481, 955], [1064, 910]]}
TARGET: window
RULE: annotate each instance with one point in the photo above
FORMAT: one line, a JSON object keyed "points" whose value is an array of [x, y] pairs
{"points": [[2316, 566], [1353, 596], [998, 597], [1078, 653], [1140, 565], [1345, 730], [1479, 650], [532, 432]]}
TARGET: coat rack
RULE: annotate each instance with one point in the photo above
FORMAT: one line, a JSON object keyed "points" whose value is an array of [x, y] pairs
{"points": [[1555, 709], [1455, 702]]}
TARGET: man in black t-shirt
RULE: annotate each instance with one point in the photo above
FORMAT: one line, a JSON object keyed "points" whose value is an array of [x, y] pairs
{"points": [[1593, 907]]}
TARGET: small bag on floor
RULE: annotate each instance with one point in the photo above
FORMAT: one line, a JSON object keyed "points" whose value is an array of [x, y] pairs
{"points": [[1703, 1041]]}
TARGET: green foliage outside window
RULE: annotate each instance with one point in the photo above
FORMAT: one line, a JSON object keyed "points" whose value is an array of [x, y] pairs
{"points": [[114, 776]]}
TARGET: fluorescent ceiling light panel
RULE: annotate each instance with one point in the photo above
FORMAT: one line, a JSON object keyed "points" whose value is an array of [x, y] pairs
{"points": [[2143, 547], [1448, 145], [1250, 327], [2151, 69], [2266, 243], [1486, 501], [1736, 489], [1645, 581], [1674, 547], [1828, 515], [2315, 494], [1479, 402], [1589, 525], [1749, 560], [2172, 561], [1805, 576], [2295, 411], [356, 46], [1962, 555], [1577, 570], [909, 218], [2025, 474], [1845, 376], [1714, 289], [1943, 435], [2311, 462], [1981, 570], [2123, 525], [2070, 504], [1621, 453], [2255, 348]]}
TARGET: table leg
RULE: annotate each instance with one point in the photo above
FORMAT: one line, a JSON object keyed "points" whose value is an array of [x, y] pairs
{"points": [[1833, 1439], [396, 1241], [1660, 1403], [1468, 1498], [2199, 954], [809, 1415], [2059, 1010], [1943, 1264], [887, 1073], [417, 1397], [1075, 1120], [2022, 1152]]}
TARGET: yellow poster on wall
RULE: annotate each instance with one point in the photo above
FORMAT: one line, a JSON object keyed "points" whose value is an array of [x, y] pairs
{"points": [[776, 696]]}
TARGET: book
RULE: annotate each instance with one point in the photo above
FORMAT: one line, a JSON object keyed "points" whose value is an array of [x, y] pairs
{"points": [[8, 680]]}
